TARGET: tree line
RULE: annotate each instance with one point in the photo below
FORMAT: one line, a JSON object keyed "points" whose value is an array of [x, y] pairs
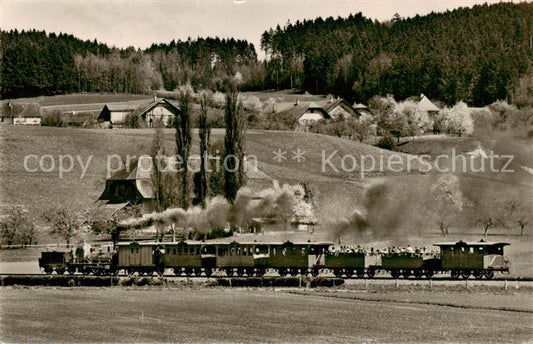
{"points": [[475, 55]]}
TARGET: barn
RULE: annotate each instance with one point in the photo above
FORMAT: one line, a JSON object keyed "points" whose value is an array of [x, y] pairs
{"points": [[160, 111], [115, 114]]}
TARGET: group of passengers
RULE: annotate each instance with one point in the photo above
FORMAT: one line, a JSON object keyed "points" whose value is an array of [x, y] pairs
{"points": [[389, 251]]}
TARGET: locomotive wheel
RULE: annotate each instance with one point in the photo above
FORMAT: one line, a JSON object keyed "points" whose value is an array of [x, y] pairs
{"points": [[71, 271], [418, 274], [177, 271], [240, 272], [465, 274], [429, 274], [314, 272], [304, 272], [349, 273], [48, 271], [478, 274], [260, 272], [337, 272], [188, 272], [249, 272], [229, 272], [60, 271], [208, 272], [455, 274], [371, 273], [489, 274], [294, 272], [198, 271], [395, 273], [406, 273], [282, 272], [360, 273]]}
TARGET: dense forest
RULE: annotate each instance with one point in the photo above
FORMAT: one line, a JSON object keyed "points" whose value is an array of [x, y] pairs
{"points": [[35, 63], [472, 54]]}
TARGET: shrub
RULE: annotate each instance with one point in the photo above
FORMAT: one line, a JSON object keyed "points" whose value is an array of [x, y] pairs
{"points": [[386, 142], [52, 119], [132, 120]]}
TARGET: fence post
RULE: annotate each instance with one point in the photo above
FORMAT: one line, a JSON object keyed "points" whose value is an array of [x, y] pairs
{"points": [[505, 285], [397, 283], [430, 284], [466, 283]]}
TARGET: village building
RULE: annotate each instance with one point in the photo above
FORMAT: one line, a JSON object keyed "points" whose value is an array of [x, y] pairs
{"points": [[159, 111], [27, 119], [427, 106], [309, 113], [114, 115]]}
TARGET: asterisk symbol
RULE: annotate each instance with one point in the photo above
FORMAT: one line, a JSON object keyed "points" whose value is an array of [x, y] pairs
{"points": [[279, 155], [298, 155]]}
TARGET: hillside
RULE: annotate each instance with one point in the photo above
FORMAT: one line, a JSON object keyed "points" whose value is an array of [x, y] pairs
{"points": [[402, 203]]}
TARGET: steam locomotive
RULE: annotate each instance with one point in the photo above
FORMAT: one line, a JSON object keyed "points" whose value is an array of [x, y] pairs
{"points": [[460, 259]]}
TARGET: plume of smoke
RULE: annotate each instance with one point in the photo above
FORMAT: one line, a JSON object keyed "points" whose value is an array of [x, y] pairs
{"points": [[275, 202]]}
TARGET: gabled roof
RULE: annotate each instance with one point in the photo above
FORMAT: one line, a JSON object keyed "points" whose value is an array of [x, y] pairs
{"points": [[173, 108], [426, 105], [121, 107]]}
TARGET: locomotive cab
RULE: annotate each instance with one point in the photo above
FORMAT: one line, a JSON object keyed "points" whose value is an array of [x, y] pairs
{"points": [[54, 261]]}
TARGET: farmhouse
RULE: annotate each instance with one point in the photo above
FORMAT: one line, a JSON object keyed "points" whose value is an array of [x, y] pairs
{"points": [[306, 114], [27, 119], [426, 105], [160, 111], [157, 111], [362, 109], [132, 185], [115, 114]]}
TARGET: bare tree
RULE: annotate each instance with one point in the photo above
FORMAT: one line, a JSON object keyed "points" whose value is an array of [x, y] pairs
{"points": [[17, 228], [65, 222]]}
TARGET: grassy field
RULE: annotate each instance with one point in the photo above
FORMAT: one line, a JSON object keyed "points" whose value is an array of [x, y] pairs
{"points": [[80, 99], [338, 192], [229, 315]]}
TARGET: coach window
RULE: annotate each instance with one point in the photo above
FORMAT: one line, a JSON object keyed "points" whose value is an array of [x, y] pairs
{"points": [[462, 249], [471, 250], [274, 251], [480, 249], [221, 251], [452, 250], [180, 251]]}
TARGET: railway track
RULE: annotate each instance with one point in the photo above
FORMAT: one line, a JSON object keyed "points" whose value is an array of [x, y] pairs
{"points": [[496, 280]]}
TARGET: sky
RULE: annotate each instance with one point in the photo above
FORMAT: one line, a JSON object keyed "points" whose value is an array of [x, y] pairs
{"points": [[124, 23]]}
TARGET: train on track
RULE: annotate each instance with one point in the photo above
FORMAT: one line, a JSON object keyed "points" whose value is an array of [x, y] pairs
{"points": [[196, 258]]}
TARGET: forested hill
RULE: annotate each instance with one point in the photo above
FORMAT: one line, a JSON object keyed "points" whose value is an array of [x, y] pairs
{"points": [[35, 63], [472, 54]]}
